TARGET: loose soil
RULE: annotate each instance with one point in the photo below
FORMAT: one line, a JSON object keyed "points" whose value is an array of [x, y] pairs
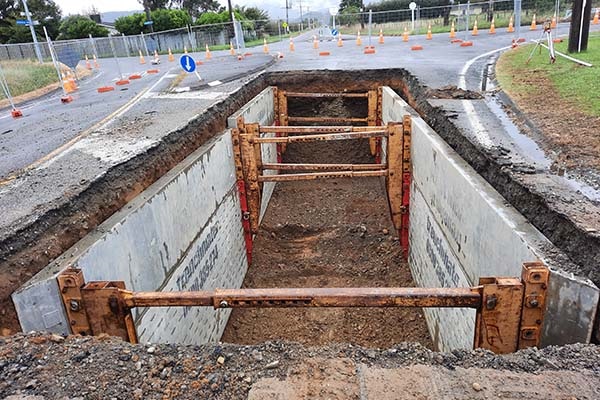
{"points": [[328, 233], [52, 367]]}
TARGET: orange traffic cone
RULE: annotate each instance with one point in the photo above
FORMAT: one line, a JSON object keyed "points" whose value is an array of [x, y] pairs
{"points": [[142, 60], [429, 36], [381, 40], [88, 65], [231, 49], [315, 42], [596, 19], [533, 26], [553, 23], [339, 41], [156, 57], [292, 47], [69, 82], [475, 30], [208, 56], [96, 65], [358, 39], [265, 46], [492, 27], [452, 31], [510, 28], [185, 50], [171, 57], [405, 35]]}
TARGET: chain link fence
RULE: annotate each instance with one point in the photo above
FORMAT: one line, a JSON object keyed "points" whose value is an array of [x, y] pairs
{"points": [[192, 38], [440, 19]]}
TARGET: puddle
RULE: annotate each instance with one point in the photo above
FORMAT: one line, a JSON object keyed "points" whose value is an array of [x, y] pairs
{"points": [[528, 147]]}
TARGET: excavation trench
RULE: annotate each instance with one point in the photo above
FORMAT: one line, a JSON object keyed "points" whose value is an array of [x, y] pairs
{"points": [[328, 233], [186, 230]]}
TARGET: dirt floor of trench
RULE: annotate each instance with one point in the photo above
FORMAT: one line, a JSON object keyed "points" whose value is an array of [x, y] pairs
{"points": [[328, 233]]}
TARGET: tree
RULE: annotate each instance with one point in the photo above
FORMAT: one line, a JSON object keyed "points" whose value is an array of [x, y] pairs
{"points": [[170, 19], [344, 4], [349, 16], [163, 20], [131, 24], [259, 17], [196, 7], [154, 4], [45, 11], [79, 27]]}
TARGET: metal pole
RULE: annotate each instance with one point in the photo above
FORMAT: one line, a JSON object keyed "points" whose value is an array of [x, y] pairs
{"points": [[94, 46], [370, 22], [518, 18], [301, 21], [33, 36], [145, 44], [5, 88], [54, 61], [287, 19], [308, 297], [125, 45], [278, 29], [467, 20], [112, 47]]}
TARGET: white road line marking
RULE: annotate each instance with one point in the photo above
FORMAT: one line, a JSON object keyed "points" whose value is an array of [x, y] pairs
{"points": [[479, 130], [187, 95], [214, 83]]}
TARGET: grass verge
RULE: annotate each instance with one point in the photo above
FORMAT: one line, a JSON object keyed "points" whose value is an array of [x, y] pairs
{"points": [[27, 76], [574, 83]]}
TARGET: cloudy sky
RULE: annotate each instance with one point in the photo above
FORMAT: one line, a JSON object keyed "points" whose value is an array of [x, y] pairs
{"points": [[82, 6]]}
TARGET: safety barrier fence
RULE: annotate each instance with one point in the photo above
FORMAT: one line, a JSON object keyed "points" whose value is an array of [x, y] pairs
{"points": [[192, 38], [440, 19]]}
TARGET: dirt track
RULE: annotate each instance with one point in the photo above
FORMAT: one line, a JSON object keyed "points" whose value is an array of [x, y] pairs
{"points": [[328, 233]]}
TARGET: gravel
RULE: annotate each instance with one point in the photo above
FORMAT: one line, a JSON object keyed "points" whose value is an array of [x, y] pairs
{"points": [[38, 364]]}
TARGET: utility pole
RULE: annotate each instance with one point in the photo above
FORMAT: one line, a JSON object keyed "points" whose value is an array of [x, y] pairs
{"points": [[301, 18], [287, 18], [580, 26], [36, 45], [230, 9]]}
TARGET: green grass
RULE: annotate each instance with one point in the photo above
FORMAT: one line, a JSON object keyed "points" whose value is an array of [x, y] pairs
{"points": [[27, 76], [575, 83]]}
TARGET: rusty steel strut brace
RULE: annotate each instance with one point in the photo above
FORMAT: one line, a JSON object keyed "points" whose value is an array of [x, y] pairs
{"points": [[510, 311]]}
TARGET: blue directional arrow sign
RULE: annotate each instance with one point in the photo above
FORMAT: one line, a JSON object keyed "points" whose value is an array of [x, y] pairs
{"points": [[22, 22], [334, 32], [187, 63], [148, 22]]}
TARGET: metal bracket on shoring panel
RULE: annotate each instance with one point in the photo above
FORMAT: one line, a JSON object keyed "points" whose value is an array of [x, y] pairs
{"points": [[535, 277], [394, 178], [241, 184], [406, 181], [251, 173], [70, 283], [506, 307], [372, 118]]}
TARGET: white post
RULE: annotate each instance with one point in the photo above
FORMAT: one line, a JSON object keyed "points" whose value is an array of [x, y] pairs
{"points": [[581, 25]]}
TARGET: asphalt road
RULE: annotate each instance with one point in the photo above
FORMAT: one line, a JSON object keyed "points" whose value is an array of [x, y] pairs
{"points": [[65, 148], [48, 125]]}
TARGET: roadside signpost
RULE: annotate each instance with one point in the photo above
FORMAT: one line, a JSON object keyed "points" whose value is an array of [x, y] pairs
{"points": [[189, 65]]}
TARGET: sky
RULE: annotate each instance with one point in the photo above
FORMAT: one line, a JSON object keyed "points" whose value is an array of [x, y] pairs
{"points": [[83, 6]]}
